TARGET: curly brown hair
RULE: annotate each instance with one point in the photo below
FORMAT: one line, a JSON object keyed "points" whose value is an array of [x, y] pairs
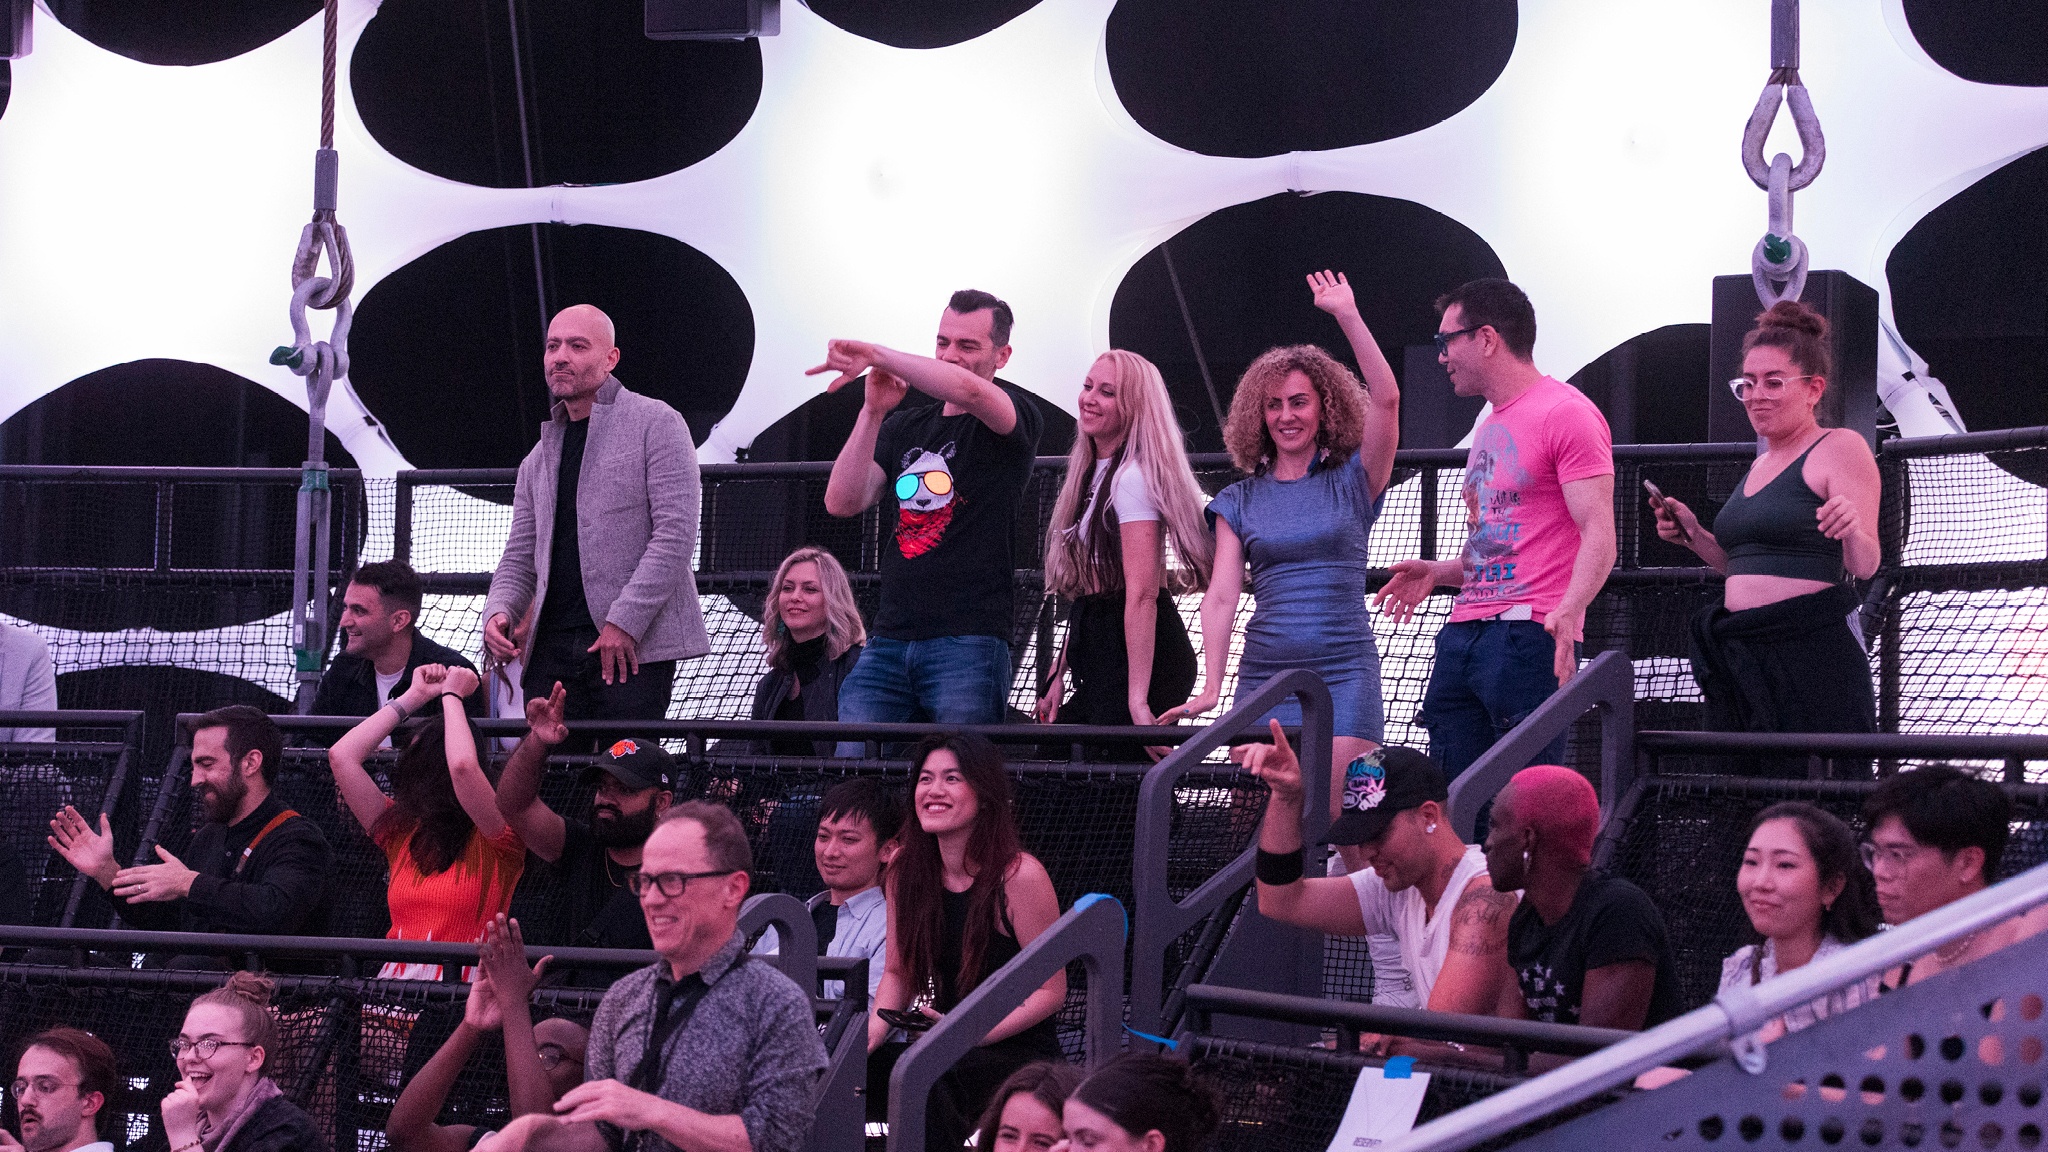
{"points": [[1341, 428]]}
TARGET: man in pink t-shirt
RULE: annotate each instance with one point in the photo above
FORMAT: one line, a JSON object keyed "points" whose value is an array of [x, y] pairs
{"points": [[1539, 499]]}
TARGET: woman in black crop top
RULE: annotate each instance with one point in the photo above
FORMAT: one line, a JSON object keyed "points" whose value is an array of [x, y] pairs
{"points": [[964, 899], [1777, 655]]}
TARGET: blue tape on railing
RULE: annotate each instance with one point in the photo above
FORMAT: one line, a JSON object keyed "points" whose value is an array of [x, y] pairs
{"points": [[1092, 897], [1174, 1045], [1399, 1068]]}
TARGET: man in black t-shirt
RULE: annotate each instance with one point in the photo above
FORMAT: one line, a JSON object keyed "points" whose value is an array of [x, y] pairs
{"points": [[1585, 947], [594, 861], [954, 469]]}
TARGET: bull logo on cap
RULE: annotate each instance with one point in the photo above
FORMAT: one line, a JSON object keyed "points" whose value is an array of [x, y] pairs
{"points": [[1365, 784], [622, 749]]}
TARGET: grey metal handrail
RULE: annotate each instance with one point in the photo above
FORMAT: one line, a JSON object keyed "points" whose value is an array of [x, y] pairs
{"points": [[1607, 682], [1350, 1019], [1157, 918], [1092, 932], [797, 954], [1734, 1013]]}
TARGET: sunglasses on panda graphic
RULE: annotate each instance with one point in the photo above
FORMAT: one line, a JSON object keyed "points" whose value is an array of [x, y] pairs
{"points": [[938, 483]]}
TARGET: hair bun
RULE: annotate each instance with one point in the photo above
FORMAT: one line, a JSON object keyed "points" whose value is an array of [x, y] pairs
{"points": [[1794, 316], [251, 987]]}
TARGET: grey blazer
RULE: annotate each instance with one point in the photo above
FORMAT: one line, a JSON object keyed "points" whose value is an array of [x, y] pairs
{"points": [[637, 500]]}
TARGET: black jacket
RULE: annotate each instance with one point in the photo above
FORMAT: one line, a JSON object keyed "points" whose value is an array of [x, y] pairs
{"points": [[278, 1125], [282, 891], [350, 686], [820, 697]]}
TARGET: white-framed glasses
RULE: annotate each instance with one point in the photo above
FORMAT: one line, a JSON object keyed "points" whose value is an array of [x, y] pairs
{"points": [[1768, 386]]}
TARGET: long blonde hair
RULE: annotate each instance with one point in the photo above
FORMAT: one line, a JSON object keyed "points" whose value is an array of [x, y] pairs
{"points": [[843, 628], [1085, 558], [1340, 429]]}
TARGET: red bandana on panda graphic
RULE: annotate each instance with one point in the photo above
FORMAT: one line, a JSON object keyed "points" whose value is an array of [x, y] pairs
{"points": [[924, 501]]}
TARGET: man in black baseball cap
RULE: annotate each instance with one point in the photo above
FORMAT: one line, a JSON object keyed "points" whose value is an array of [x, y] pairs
{"points": [[592, 862], [1452, 953]]}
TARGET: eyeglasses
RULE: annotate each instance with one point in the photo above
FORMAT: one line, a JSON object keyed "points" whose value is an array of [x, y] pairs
{"points": [[671, 884], [204, 1049], [1443, 339], [552, 1055], [1769, 385], [43, 1086], [1893, 856]]}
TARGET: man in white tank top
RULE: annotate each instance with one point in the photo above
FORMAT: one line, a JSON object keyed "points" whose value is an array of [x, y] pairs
{"points": [[1420, 885]]}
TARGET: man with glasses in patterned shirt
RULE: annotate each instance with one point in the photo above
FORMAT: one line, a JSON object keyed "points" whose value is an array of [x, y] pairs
{"points": [[704, 1048]]}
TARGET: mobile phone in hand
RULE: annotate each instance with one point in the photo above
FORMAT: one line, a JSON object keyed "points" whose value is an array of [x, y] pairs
{"points": [[1657, 503], [908, 1021]]}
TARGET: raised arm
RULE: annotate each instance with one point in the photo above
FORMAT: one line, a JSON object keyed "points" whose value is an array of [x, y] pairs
{"points": [[519, 784], [1219, 622], [1033, 908], [1591, 503], [1382, 389], [1854, 490], [501, 956], [358, 790], [856, 480], [983, 399], [1476, 974], [411, 1124], [472, 788], [1325, 903]]}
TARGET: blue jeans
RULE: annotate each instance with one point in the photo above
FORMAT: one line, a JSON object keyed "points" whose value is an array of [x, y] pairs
{"points": [[944, 680], [1489, 675]]}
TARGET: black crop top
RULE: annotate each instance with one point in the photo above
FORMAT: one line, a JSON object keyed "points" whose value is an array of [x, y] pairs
{"points": [[1776, 532]]}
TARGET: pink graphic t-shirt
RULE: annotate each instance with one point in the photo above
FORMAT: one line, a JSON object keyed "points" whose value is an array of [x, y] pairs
{"points": [[1523, 539]]}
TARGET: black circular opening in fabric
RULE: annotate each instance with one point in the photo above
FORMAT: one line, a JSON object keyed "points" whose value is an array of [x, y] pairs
{"points": [[1969, 287], [1988, 41], [446, 351], [182, 32], [920, 23], [1227, 78], [1653, 387], [100, 553], [541, 92], [1243, 272]]}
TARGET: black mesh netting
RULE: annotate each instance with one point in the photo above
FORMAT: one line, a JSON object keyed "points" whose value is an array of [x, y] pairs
{"points": [[37, 886], [1682, 843], [346, 1047], [1278, 1098]]}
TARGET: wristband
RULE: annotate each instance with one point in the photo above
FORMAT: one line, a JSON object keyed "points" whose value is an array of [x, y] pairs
{"points": [[1279, 868], [457, 695], [403, 714]]}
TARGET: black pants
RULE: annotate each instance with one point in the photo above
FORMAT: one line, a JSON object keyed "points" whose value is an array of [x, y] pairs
{"points": [[1101, 665], [564, 655]]}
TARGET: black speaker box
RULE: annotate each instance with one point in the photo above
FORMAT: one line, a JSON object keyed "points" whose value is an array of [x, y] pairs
{"points": [[708, 19], [1851, 310]]}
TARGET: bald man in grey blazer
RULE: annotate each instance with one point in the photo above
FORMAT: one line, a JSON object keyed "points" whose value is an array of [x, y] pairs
{"points": [[604, 522]]}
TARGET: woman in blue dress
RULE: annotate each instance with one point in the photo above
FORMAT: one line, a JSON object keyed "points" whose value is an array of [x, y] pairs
{"points": [[1320, 450]]}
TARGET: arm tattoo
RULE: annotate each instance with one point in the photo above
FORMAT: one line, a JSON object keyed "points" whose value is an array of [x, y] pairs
{"points": [[1478, 922]]}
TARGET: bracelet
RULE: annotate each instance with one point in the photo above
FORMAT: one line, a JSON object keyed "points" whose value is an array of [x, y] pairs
{"points": [[1279, 868], [457, 695], [403, 714]]}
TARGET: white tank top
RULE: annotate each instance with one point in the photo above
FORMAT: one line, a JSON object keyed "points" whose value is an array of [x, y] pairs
{"points": [[1422, 941]]}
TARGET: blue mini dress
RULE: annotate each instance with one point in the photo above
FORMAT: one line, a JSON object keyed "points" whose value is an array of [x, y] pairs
{"points": [[1305, 541]]}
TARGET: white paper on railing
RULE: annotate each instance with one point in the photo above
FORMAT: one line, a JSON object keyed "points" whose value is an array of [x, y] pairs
{"points": [[1382, 1106]]}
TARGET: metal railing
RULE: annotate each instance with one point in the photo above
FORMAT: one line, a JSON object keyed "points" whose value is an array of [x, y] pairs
{"points": [[1092, 932], [1159, 919], [2014, 750], [1607, 683], [1515, 1038], [1734, 1013]]}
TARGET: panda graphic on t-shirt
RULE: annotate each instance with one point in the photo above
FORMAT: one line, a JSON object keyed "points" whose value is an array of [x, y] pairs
{"points": [[924, 500]]}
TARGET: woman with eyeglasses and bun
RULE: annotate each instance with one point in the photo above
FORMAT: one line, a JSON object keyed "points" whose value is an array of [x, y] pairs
{"points": [[1778, 655], [225, 1100]]}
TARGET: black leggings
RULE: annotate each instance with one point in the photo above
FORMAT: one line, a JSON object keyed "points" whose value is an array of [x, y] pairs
{"points": [[1102, 668]]}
